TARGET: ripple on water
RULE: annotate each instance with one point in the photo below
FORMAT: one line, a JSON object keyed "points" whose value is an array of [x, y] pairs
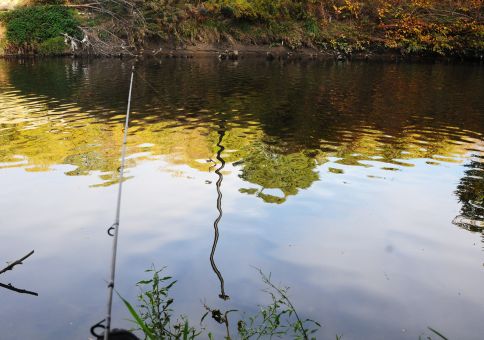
{"points": [[359, 167]]}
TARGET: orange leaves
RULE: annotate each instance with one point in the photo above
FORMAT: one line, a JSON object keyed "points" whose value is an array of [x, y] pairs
{"points": [[429, 26]]}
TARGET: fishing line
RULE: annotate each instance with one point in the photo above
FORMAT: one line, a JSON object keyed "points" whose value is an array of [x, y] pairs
{"points": [[149, 84]]}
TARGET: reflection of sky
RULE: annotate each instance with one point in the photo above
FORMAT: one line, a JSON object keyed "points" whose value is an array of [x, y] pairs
{"points": [[368, 246], [391, 261], [364, 261]]}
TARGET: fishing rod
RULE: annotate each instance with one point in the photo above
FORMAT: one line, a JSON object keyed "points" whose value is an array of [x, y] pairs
{"points": [[114, 230], [115, 226]]}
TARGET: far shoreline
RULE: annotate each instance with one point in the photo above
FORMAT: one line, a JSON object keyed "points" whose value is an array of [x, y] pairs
{"points": [[240, 52]]}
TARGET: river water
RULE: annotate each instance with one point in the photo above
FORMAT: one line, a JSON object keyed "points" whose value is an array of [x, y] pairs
{"points": [[358, 185]]}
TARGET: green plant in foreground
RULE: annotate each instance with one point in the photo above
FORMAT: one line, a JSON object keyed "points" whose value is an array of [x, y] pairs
{"points": [[154, 317], [278, 319]]}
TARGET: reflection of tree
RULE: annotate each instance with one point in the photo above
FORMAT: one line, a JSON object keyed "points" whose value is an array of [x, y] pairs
{"points": [[64, 112], [470, 192], [65, 82], [45, 77], [267, 167]]}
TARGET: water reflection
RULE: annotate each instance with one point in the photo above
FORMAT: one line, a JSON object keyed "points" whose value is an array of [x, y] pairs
{"points": [[470, 192], [218, 184], [281, 126], [269, 167], [342, 178]]}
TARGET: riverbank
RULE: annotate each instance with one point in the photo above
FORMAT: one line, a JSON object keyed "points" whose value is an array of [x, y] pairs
{"points": [[240, 52], [341, 29]]}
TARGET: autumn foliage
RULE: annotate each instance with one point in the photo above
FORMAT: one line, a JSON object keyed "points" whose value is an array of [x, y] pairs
{"points": [[410, 26], [407, 27]]}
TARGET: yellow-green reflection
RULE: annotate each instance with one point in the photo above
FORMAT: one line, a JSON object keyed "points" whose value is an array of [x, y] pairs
{"points": [[275, 134], [366, 166]]}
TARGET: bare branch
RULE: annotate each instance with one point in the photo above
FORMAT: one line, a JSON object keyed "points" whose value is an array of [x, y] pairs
{"points": [[13, 264], [18, 290]]}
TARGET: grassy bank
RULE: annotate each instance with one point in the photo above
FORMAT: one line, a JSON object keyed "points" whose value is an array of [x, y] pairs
{"points": [[344, 27]]}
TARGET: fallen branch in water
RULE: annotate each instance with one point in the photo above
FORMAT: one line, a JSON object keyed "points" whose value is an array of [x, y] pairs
{"points": [[13, 264]]}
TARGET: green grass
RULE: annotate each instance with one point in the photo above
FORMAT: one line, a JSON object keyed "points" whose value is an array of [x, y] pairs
{"points": [[154, 317], [52, 46], [278, 319]]}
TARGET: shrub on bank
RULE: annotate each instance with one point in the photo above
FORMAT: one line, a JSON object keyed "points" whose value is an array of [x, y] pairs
{"points": [[39, 27]]}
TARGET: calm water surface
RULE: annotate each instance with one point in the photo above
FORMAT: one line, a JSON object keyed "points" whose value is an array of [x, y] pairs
{"points": [[360, 186]]}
